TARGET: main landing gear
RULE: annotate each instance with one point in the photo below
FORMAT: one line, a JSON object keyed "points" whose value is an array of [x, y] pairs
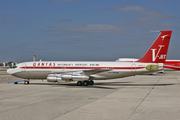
{"points": [[26, 82], [85, 83]]}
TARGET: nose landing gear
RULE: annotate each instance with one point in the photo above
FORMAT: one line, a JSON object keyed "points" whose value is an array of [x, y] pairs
{"points": [[26, 82]]}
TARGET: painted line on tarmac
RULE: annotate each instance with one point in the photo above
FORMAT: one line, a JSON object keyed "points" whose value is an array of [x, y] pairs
{"points": [[16, 81]]}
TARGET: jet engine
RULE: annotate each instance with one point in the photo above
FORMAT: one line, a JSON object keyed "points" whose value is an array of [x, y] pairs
{"points": [[67, 77]]}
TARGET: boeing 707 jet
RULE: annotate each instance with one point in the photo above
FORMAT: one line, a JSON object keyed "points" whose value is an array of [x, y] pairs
{"points": [[85, 72]]}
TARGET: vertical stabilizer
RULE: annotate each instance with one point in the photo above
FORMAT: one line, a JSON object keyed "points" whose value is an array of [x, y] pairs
{"points": [[158, 51]]}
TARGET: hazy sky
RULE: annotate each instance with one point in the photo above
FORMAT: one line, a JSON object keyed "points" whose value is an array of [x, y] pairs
{"points": [[100, 30]]}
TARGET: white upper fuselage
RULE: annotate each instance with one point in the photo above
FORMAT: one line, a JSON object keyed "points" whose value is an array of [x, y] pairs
{"points": [[41, 69]]}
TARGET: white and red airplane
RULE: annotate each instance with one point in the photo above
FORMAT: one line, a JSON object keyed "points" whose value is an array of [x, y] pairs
{"points": [[84, 72]]}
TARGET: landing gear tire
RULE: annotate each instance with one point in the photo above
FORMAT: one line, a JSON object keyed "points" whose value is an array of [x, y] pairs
{"points": [[79, 83], [15, 82], [91, 82], [85, 83], [26, 82]]}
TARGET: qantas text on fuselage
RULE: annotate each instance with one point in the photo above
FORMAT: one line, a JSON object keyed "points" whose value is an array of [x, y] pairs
{"points": [[53, 64]]}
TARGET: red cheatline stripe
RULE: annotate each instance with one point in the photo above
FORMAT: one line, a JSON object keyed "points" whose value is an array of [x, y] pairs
{"points": [[29, 67], [172, 67]]}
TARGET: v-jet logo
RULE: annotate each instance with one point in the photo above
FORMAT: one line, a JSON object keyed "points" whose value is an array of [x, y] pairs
{"points": [[156, 55], [164, 36]]}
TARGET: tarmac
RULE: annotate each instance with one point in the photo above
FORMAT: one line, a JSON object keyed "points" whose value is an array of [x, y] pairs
{"points": [[141, 97]]}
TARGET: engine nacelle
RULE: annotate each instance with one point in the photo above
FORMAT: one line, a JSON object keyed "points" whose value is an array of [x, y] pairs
{"points": [[53, 78], [74, 77], [66, 77]]}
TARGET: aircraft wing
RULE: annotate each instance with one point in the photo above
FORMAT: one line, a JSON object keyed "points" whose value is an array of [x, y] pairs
{"points": [[79, 75], [95, 71], [86, 72]]}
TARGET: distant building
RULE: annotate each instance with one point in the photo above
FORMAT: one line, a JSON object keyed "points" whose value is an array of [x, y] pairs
{"points": [[9, 64], [1, 64]]}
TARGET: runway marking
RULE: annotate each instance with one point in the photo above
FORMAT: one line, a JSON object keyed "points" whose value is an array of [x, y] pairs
{"points": [[143, 99], [16, 81], [115, 90], [177, 80]]}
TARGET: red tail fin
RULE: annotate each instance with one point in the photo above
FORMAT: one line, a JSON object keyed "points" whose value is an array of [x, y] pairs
{"points": [[158, 51]]}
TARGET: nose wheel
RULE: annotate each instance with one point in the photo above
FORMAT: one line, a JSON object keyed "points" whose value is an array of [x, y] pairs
{"points": [[26, 82]]}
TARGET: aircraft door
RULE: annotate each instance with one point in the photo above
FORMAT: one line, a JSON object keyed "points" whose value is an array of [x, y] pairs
{"points": [[24, 67], [133, 68], [63, 68]]}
